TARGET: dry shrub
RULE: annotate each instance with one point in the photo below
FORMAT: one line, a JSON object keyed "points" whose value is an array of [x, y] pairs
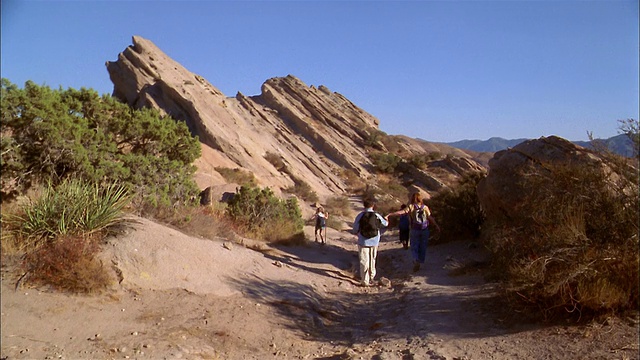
{"points": [[338, 206], [276, 160], [572, 248], [201, 221], [302, 190], [457, 209], [68, 263], [260, 214], [237, 175], [353, 181]]}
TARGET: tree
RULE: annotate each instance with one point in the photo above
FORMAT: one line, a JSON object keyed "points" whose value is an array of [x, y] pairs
{"points": [[51, 135], [630, 128]]}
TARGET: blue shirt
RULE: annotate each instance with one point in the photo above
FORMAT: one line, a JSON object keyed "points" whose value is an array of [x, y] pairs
{"points": [[363, 241]]}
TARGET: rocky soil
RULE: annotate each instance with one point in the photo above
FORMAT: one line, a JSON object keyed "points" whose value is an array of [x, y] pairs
{"points": [[183, 297]]}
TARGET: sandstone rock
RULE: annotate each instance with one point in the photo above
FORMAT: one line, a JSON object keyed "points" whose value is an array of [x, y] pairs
{"points": [[316, 133], [501, 192]]}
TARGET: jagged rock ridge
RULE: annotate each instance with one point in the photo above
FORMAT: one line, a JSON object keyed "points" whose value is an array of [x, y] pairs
{"points": [[316, 133]]}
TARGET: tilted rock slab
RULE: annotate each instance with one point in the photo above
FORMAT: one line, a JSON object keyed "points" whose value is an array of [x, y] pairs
{"points": [[316, 133]]}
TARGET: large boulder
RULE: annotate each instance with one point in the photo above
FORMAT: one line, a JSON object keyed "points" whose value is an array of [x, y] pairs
{"points": [[502, 191]]}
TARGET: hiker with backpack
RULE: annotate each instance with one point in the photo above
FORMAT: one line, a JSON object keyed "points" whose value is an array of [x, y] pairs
{"points": [[367, 226], [321, 224], [420, 218]]}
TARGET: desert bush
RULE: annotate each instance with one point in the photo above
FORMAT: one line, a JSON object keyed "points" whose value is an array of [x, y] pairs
{"points": [[338, 206], [59, 233], [374, 139], [421, 161], [52, 135], [206, 222], [262, 215], [385, 162], [573, 245], [457, 209], [302, 190], [74, 207], [275, 160], [68, 263], [352, 180], [237, 176]]}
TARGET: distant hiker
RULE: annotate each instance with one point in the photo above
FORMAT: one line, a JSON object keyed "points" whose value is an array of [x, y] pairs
{"points": [[403, 228], [321, 224], [419, 218], [367, 226]]}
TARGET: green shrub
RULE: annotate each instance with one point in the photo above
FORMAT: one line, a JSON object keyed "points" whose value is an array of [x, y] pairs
{"points": [[71, 208], [264, 216], [52, 135], [60, 232], [457, 209], [572, 248], [385, 162]]}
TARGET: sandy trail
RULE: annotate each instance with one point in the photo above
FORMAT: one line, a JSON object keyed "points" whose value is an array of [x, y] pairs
{"points": [[191, 298]]}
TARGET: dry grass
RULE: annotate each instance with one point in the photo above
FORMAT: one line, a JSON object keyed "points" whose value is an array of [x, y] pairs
{"points": [[68, 264], [237, 176], [572, 249], [338, 206]]}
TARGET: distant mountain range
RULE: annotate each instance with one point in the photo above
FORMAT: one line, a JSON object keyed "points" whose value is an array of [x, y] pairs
{"points": [[620, 144]]}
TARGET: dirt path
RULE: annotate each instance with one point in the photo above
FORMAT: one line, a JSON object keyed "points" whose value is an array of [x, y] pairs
{"points": [[189, 298]]}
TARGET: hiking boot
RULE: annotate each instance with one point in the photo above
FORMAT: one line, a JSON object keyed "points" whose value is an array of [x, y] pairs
{"points": [[416, 266]]}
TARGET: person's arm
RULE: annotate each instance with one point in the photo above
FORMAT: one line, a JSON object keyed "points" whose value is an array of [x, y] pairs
{"points": [[432, 220], [399, 212], [383, 220], [356, 224]]}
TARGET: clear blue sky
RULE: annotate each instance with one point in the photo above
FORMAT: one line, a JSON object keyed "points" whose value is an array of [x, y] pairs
{"points": [[435, 70]]}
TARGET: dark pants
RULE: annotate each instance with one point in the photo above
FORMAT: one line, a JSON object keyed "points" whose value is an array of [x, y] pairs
{"points": [[404, 237], [419, 241]]}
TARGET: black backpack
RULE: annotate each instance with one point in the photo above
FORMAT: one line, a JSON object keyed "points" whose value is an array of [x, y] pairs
{"points": [[369, 224]]}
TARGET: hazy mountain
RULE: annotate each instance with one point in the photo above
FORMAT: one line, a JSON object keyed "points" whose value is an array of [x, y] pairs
{"points": [[620, 144], [492, 145]]}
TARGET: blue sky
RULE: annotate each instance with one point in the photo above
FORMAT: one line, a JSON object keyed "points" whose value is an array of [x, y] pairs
{"points": [[436, 70]]}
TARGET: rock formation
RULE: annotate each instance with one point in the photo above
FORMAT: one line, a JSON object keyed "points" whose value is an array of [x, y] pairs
{"points": [[315, 133], [502, 192]]}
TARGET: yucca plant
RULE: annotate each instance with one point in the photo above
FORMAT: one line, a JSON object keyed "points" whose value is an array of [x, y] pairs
{"points": [[73, 207]]}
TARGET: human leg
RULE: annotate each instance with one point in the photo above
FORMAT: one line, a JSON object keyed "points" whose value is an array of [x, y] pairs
{"points": [[414, 244], [422, 248], [365, 264], [373, 255], [404, 238]]}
